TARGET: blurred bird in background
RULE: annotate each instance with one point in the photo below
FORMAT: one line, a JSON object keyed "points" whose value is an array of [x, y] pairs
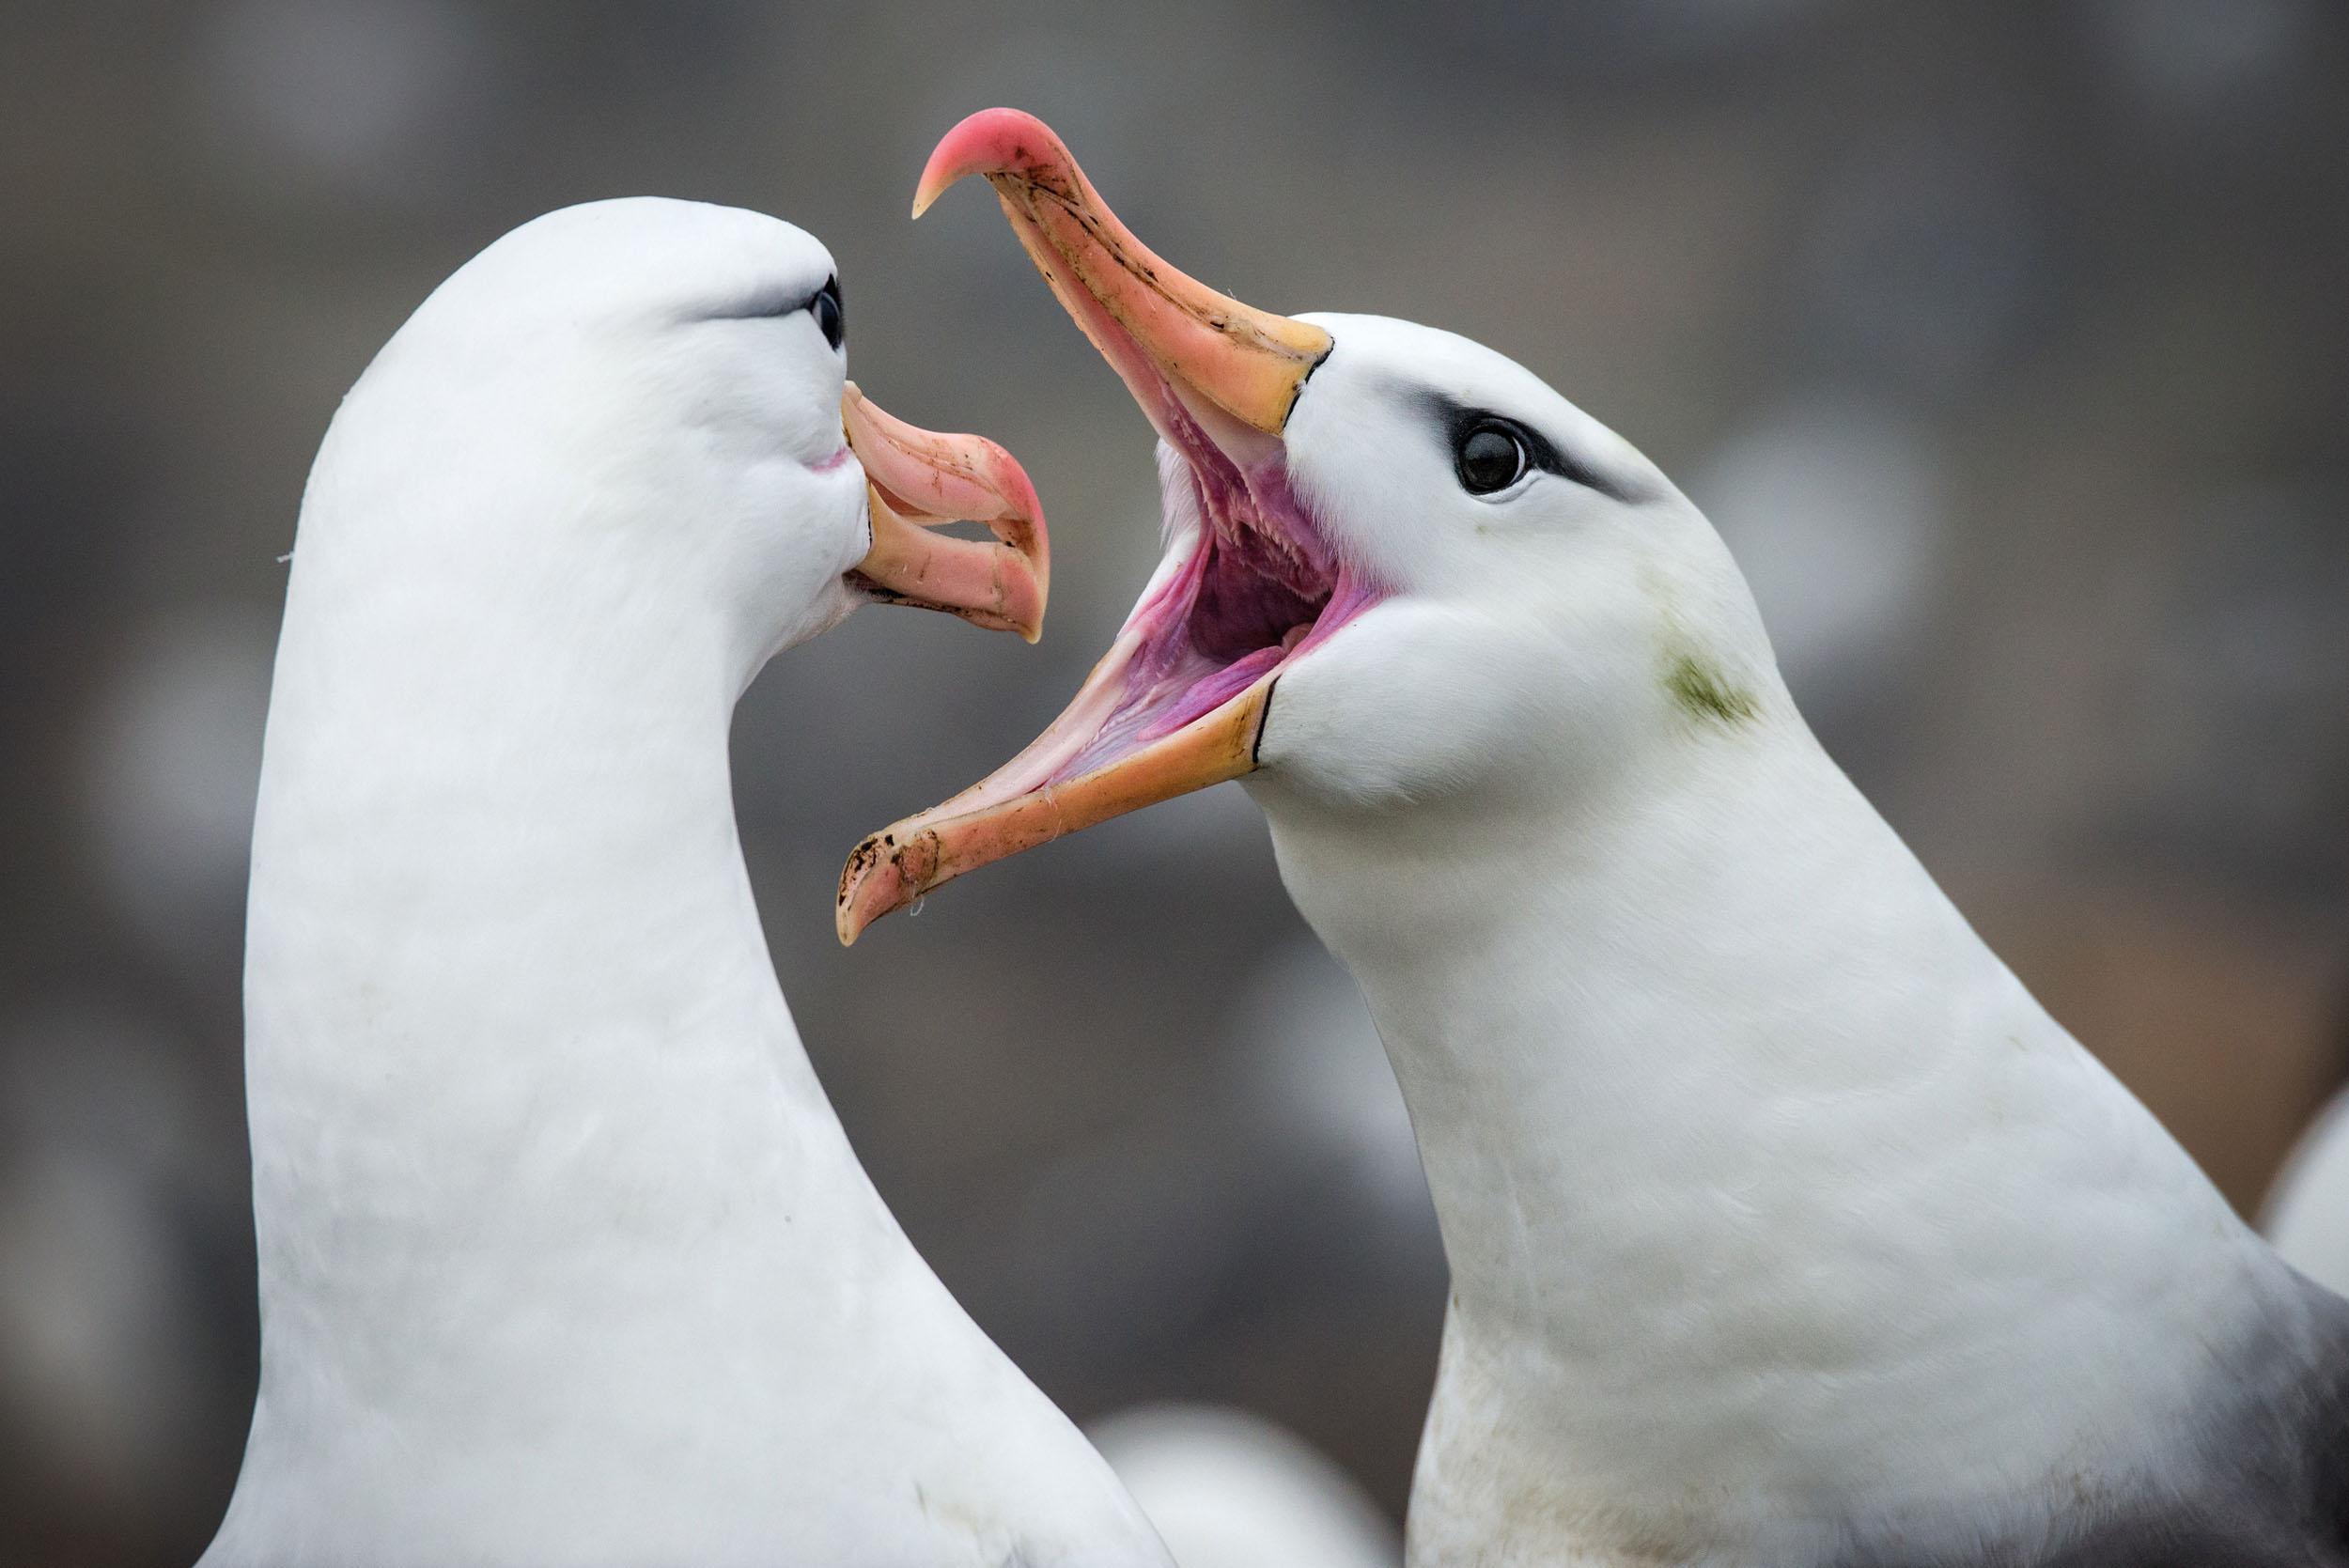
{"points": [[2306, 1212], [2004, 344]]}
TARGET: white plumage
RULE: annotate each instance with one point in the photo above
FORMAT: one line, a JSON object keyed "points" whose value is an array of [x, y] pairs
{"points": [[564, 1257], [1783, 1223], [1784, 1226]]}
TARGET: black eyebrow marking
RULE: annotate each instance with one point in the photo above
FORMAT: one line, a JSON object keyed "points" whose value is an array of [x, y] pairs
{"points": [[1458, 419], [758, 310]]}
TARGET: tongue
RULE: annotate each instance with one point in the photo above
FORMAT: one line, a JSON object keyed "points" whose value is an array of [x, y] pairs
{"points": [[1216, 689]]}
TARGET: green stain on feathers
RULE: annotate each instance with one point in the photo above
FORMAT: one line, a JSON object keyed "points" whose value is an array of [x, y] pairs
{"points": [[1693, 678], [1701, 691]]}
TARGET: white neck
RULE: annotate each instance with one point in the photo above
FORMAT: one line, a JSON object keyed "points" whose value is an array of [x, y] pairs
{"points": [[529, 1115], [1743, 1146], [564, 1256]]}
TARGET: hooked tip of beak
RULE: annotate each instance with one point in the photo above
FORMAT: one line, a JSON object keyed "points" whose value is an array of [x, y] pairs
{"points": [[991, 142], [874, 881], [1146, 316]]}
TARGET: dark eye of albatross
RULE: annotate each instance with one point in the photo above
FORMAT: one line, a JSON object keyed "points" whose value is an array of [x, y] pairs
{"points": [[1490, 456], [825, 306]]}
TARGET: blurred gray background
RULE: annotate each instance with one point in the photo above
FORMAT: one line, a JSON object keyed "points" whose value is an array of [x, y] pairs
{"points": [[2008, 342]]}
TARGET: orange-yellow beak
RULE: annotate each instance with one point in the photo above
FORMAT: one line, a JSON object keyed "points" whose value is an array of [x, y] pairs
{"points": [[1179, 700], [916, 480], [1246, 363]]}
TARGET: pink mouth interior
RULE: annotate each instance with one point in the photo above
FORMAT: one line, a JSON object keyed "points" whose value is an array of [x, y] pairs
{"points": [[1259, 589]]}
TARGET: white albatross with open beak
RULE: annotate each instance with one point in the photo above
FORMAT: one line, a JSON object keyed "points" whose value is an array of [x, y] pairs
{"points": [[564, 1257], [1784, 1226]]}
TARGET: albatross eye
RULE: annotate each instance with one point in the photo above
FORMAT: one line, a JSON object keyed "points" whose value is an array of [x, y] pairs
{"points": [[1489, 456], [825, 306]]}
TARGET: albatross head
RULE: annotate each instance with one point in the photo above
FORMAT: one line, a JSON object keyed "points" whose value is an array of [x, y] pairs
{"points": [[647, 401], [1400, 570]]}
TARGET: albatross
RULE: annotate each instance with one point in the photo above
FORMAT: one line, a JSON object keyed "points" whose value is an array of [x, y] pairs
{"points": [[1784, 1225], [564, 1256]]}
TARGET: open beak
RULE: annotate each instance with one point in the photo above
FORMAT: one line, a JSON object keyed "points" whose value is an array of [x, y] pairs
{"points": [[917, 480], [1179, 700]]}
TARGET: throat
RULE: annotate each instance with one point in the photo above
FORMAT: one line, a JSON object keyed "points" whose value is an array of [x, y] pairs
{"points": [[1751, 1161], [1249, 606], [523, 1087]]}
